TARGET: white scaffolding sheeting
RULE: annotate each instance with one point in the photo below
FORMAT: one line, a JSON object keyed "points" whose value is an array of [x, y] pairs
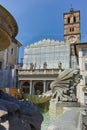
{"points": [[50, 53]]}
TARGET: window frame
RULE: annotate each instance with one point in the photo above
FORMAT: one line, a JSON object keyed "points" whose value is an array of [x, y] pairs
{"points": [[12, 51]]}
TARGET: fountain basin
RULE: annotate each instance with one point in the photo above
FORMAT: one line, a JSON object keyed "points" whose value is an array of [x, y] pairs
{"points": [[37, 99]]}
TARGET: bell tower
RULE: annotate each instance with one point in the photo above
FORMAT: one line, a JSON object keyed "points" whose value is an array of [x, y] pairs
{"points": [[72, 26]]}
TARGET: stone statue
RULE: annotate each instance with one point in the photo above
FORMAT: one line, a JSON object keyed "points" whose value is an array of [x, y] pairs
{"points": [[64, 87], [31, 66], [45, 65]]}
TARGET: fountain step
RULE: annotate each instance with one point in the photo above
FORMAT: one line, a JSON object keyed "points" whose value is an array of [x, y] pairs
{"points": [[57, 107]]}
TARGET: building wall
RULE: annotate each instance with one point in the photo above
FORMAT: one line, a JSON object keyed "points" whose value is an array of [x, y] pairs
{"points": [[2, 54], [12, 58], [9, 56], [82, 60], [8, 72]]}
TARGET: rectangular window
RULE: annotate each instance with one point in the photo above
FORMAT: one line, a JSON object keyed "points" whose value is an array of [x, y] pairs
{"points": [[84, 52], [85, 97], [86, 66], [0, 65], [86, 80], [12, 51]]}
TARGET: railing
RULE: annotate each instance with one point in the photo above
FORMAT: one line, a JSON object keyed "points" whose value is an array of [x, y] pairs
{"points": [[41, 71]]}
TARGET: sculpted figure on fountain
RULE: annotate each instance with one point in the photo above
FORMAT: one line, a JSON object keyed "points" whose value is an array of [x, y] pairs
{"points": [[64, 87]]}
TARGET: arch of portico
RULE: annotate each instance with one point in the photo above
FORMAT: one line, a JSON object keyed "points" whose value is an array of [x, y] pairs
{"points": [[26, 87], [48, 85], [35, 86], [38, 88]]}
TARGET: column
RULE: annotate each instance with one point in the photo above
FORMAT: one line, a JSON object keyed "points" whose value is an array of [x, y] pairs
{"points": [[19, 84], [5, 58], [31, 86], [44, 89], [80, 94]]}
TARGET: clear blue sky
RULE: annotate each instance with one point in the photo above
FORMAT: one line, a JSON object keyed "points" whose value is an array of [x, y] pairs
{"points": [[38, 19]]}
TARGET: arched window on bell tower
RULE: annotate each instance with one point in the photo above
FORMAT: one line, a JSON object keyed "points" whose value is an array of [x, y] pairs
{"points": [[72, 29], [68, 20], [74, 19]]}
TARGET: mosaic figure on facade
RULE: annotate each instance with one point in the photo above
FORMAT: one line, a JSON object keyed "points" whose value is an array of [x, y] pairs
{"points": [[64, 87]]}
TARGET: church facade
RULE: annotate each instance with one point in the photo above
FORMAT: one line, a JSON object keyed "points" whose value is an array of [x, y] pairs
{"points": [[43, 60]]}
